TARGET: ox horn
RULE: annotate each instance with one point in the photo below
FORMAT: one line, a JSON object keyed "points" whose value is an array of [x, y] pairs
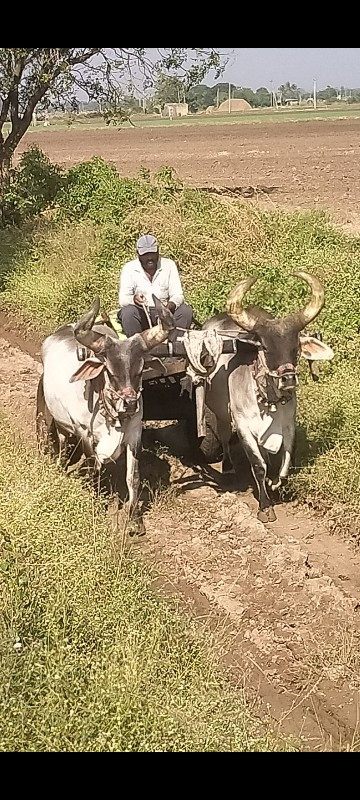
{"points": [[83, 329], [157, 334], [234, 308], [313, 307]]}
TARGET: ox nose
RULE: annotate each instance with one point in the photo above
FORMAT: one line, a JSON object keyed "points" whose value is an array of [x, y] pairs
{"points": [[129, 399], [130, 402], [288, 381]]}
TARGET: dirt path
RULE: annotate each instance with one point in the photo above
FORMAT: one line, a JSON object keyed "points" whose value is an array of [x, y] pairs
{"points": [[312, 164], [284, 598]]}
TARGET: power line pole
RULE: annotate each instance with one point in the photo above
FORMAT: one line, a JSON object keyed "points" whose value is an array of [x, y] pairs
{"points": [[315, 106], [229, 98], [271, 84]]}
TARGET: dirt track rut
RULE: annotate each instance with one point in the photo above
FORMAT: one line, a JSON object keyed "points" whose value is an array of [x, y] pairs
{"points": [[284, 599]]}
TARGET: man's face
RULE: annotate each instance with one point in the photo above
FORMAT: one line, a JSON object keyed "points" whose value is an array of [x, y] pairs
{"points": [[149, 262]]}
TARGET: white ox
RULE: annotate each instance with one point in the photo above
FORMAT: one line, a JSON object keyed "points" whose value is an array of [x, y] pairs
{"points": [[254, 391], [99, 400]]}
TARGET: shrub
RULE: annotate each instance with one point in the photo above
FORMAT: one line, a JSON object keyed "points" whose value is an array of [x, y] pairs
{"points": [[94, 190], [34, 186]]}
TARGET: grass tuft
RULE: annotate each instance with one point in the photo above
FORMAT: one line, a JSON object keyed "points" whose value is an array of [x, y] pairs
{"points": [[90, 659]]}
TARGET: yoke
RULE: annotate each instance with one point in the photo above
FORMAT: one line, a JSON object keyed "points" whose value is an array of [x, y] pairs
{"points": [[171, 388]]}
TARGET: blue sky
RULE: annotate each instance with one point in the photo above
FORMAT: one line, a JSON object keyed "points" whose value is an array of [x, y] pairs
{"points": [[257, 66]]}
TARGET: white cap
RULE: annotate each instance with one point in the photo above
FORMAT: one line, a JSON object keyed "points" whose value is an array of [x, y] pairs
{"points": [[146, 244]]}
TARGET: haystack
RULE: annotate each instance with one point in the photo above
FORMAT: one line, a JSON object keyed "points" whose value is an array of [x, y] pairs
{"points": [[235, 106]]}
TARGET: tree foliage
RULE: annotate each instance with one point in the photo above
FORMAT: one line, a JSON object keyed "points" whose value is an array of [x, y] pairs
{"points": [[54, 76], [327, 94], [169, 89]]}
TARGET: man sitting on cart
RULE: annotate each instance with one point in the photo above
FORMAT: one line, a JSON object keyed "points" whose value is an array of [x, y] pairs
{"points": [[148, 274]]}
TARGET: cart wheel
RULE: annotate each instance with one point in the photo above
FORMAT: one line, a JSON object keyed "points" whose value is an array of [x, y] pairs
{"points": [[210, 446]]}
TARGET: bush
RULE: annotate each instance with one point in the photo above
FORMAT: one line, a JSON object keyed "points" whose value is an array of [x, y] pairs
{"points": [[34, 186], [94, 190]]}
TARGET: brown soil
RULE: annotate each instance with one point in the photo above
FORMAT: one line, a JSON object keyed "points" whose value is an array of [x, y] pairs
{"points": [[313, 164], [284, 599]]}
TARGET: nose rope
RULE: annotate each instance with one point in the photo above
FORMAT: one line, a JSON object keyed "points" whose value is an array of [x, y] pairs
{"points": [[280, 371], [147, 314], [261, 372], [107, 395]]}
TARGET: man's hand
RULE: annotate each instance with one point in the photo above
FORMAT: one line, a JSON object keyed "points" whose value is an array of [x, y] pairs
{"points": [[139, 299], [171, 306]]}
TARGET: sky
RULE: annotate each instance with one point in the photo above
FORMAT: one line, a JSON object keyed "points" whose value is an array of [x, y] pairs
{"points": [[257, 66]]}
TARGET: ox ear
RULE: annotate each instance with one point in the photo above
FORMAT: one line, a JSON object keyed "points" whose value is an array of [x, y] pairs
{"points": [[314, 350], [87, 371]]}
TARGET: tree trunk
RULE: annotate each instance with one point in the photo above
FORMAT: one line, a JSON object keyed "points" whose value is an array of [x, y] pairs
{"points": [[5, 165]]}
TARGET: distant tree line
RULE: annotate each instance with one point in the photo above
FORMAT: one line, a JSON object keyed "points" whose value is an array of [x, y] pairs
{"points": [[201, 96], [171, 89]]}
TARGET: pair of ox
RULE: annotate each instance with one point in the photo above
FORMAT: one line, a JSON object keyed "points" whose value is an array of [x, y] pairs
{"points": [[253, 391]]}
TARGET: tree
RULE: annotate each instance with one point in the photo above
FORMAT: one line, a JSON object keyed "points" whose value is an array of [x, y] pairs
{"points": [[221, 90], [327, 94], [289, 91], [169, 89], [244, 93], [200, 97], [30, 77], [262, 97]]}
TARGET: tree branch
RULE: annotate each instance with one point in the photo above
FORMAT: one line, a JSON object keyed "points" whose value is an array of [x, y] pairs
{"points": [[18, 69], [31, 75], [82, 59]]}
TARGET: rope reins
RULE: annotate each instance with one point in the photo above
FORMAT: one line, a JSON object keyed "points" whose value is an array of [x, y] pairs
{"points": [[261, 373]]}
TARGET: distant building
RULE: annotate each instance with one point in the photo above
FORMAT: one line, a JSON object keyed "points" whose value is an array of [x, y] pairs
{"points": [[292, 101], [236, 105], [172, 110]]}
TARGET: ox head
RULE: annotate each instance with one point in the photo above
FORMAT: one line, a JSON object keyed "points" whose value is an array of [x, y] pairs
{"points": [[118, 363], [281, 340]]}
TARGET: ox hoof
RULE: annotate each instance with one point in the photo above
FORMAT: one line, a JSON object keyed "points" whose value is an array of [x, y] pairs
{"points": [[276, 485], [267, 515], [136, 527]]}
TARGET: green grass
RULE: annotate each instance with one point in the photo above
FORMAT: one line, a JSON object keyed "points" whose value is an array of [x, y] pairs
{"points": [[251, 117], [51, 272], [255, 116], [90, 659]]}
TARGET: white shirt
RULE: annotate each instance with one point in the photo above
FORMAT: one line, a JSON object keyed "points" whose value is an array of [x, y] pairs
{"points": [[165, 285]]}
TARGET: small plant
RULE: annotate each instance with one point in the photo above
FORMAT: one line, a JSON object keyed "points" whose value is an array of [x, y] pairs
{"points": [[34, 186]]}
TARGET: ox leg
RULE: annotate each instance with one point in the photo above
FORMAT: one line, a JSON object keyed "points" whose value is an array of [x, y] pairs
{"points": [[266, 511], [288, 444], [61, 459], [46, 432], [133, 484]]}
